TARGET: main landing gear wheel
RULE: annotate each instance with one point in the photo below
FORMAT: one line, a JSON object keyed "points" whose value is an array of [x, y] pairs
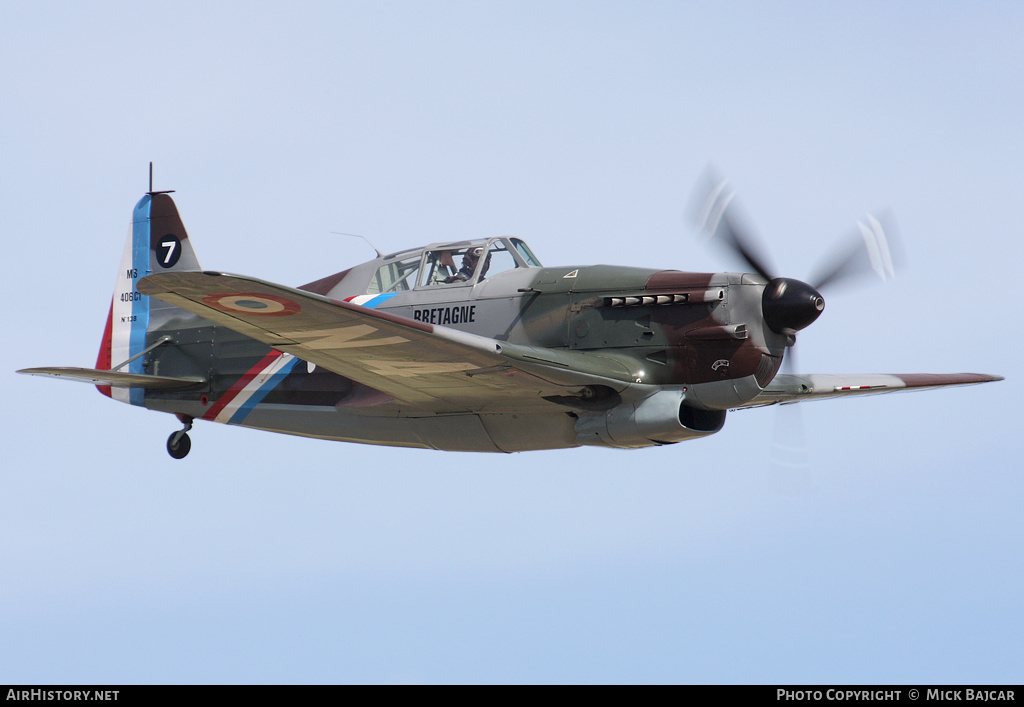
{"points": [[179, 444]]}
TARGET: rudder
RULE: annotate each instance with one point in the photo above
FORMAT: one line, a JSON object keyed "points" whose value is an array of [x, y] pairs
{"points": [[157, 242]]}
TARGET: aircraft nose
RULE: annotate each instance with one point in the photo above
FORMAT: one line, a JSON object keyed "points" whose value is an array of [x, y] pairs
{"points": [[790, 305]]}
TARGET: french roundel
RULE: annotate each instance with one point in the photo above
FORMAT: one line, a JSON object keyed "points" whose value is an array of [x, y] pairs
{"points": [[252, 303]]}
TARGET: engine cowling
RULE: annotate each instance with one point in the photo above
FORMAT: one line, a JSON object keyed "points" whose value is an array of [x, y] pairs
{"points": [[662, 418]]}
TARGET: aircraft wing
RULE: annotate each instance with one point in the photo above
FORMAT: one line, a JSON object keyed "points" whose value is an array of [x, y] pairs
{"points": [[424, 365], [786, 389]]}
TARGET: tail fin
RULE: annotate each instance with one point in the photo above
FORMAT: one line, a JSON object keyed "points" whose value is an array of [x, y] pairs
{"points": [[157, 242]]}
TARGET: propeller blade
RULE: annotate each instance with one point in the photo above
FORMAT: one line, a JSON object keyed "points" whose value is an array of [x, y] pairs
{"points": [[717, 215], [790, 469], [789, 305], [872, 250]]}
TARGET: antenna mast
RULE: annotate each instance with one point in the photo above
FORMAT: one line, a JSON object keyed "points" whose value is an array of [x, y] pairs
{"points": [[151, 192]]}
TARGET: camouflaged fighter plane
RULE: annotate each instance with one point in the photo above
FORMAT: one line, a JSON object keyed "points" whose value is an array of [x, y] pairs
{"points": [[466, 345]]}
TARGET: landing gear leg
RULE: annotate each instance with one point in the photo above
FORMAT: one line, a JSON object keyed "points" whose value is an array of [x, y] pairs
{"points": [[179, 444]]}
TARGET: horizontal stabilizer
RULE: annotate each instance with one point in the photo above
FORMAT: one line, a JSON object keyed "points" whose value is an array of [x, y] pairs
{"points": [[116, 379]]}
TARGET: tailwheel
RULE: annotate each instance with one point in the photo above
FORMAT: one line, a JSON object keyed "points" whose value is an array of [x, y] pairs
{"points": [[179, 444]]}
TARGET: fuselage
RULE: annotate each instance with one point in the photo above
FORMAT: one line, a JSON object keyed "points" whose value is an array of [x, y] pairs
{"points": [[464, 345], [695, 338]]}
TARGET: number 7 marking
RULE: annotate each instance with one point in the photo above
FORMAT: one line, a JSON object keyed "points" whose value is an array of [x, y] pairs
{"points": [[169, 245]]}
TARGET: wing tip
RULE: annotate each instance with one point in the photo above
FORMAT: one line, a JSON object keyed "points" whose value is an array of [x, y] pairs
{"points": [[924, 380]]}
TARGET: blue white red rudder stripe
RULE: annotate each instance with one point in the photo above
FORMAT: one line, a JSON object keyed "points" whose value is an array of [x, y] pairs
{"points": [[156, 242]]}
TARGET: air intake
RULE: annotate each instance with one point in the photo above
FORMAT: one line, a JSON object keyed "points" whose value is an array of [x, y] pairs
{"points": [[767, 367]]}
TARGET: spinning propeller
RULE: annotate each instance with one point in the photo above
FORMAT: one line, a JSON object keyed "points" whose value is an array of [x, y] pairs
{"points": [[789, 305]]}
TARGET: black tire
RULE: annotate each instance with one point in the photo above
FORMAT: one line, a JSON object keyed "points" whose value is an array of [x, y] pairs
{"points": [[181, 449]]}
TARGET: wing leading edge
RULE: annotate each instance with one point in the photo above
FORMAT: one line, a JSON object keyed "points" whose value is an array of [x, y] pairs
{"points": [[117, 379], [786, 389]]}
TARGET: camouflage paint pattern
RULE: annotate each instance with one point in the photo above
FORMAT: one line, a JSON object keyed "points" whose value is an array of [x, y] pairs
{"points": [[527, 358]]}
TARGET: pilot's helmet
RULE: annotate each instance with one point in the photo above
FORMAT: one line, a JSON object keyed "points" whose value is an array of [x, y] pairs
{"points": [[473, 254]]}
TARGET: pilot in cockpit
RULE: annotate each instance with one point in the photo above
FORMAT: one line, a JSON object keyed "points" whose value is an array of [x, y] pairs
{"points": [[469, 262]]}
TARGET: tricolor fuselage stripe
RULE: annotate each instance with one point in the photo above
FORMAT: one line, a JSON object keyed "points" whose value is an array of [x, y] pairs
{"points": [[249, 390], [370, 301], [261, 387], [235, 389]]}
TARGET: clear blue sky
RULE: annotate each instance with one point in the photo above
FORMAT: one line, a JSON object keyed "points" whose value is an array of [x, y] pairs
{"points": [[580, 127]]}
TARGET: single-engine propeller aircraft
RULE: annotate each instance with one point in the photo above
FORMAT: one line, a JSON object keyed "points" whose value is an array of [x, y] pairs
{"points": [[468, 345]]}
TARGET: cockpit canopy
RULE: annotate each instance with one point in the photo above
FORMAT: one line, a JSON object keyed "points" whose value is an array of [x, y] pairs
{"points": [[454, 264]]}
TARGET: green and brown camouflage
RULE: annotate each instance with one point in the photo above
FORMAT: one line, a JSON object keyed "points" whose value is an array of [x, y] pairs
{"points": [[468, 346]]}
